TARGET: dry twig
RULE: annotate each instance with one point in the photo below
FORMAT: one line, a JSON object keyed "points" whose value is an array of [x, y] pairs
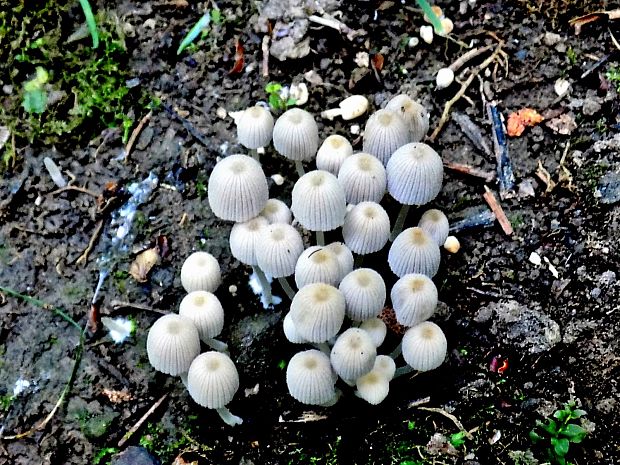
{"points": [[488, 176], [75, 188], [497, 209], [136, 132], [455, 420], [84, 257], [137, 426]]}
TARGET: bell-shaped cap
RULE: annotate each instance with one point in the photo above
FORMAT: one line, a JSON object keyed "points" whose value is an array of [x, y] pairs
{"points": [[200, 272], [414, 298], [310, 379], [344, 256], [384, 133], [424, 346], [237, 189], [317, 311], [363, 178], [318, 201], [435, 223], [212, 380], [172, 344], [373, 387], [296, 135], [414, 251], [255, 127], [205, 311], [385, 365], [376, 329], [413, 113], [366, 228], [333, 152], [244, 239], [353, 354], [280, 247], [276, 211], [364, 293], [290, 331], [414, 174], [317, 264]]}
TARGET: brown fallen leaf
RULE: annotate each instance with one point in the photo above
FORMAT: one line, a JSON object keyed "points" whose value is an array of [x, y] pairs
{"points": [[239, 59], [377, 61], [117, 397], [519, 120], [143, 263], [563, 124]]}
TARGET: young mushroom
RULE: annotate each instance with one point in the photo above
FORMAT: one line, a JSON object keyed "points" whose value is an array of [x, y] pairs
{"points": [[373, 387], [435, 223], [414, 251], [254, 128], [317, 265], [344, 256], [212, 382], [384, 133], [350, 108], [296, 137], [414, 298], [205, 311], [237, 189], [317, 311], [363, 178], [413, 113], [376, 329], [332, 153], [200, 272], [310, 378], [171, 345], [353, 354], [364, 293], [424, 346], [276, 211], [366, 228]]}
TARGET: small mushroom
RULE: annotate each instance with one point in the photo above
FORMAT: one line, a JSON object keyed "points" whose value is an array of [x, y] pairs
{"points": [[424, 346], [364, 293], [317, 264], [276, 211], [333, 152], [310, 379], [244, 239], [255, 127], [353, 354], [435, 223], [205, 311], [452, 244], [385, 132], [317, 311], [415, 115], [376, 329], [344, 256], [172, 343], [414, 251], [385, 365], [366, 228], [350, 108], [296, 136], [373, 387], [414, 299], [290, 331], [444, 78], [200, 272], [363, 178]]}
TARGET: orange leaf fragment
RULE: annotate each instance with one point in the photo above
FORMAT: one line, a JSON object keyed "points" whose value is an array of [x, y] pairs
{"points": [[519, 120], [239, 60]]}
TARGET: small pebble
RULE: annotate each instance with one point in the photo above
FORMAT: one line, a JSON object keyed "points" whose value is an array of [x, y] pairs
{"points": [[426, 34], [535, 259], [221, 112], [561, 87], [232, 289], [278, 179], [413, 42]]}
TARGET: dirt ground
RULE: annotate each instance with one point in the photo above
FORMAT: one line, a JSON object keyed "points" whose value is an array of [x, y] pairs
{"points": [[543, 302]]}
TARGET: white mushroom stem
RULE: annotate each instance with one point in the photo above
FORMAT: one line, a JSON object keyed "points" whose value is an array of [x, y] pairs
{"points": [[216, 345], [403, 371], [400, 221], [300, 168], [228, 417], [183, 377], [333, 400], [397, 351], [359, 259], [331, 113], [254, 154], [323, 347], [287, 287], [265, 284], [320, 238]]}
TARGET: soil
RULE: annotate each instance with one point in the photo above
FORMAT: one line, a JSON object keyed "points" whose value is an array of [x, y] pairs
{"points": [[553, 325]]}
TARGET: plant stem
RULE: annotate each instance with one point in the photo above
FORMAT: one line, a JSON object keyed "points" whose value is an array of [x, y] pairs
{"points": [[90, 22], [428, 11], [397, 351], [400, 222], [287, 287], [300, 168], [265, 284], [216, 345]]}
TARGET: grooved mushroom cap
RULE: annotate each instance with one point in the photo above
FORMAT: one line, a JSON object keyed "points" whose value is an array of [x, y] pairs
{"points": [[373, 387], [385, 131], [172, 344], [296, 135], [435, 223], [277, 211], [317, 265], [200, 272], [414, 251], [376, 329], [310, 378], [237, 189], [280, 245], [205, 311], [385, 365], [244, 239], [363, 178], [364, 293], [317, 311], [424, 346], [212, 380], [344, 256], [254, 127], [414, 114], [318, 201], [353, 354], [290, 332], [366, 228], [414, 174], [414, 298], [333, 152]]}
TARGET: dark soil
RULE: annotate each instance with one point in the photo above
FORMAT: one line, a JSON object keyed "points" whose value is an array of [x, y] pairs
{"points": [[573, 229]]}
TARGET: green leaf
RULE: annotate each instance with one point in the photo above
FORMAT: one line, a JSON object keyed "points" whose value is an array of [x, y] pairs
{"points": [[216, 16], [411, 425], [551, 427], [535, 437], [273, 87], [275, 101], [578, 413], [90, 22], [560, 446], [562, 414], [194, 32], [35, 101], [458, 439], [574, 433]]}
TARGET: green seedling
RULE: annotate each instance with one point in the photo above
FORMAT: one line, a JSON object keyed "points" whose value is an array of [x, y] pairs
{"points": [[104, 453], [90, 22], [458, 439], [274, 96], [35, 96], [557, 433], [195, 31], [430, 14], [613, 76]]}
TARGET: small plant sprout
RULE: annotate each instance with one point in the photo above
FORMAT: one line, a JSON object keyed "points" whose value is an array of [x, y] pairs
{"points": [[194, 32], [90, 22], [296, 137], [212, 382], [35, 96], [277, 96], [557, 433], [431, 15]]}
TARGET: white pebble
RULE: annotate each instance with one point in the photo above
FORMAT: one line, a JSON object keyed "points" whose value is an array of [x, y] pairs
{"points": [[445, 77], [54, 172], [535, 259], [426, 34], [278, 179]]}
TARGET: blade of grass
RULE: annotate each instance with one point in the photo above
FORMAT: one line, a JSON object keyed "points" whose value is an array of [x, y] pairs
{"points": [[90, 21], [195, 31], [428, 11]]}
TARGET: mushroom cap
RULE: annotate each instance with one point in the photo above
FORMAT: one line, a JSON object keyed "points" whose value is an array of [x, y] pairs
{"points": [[244, 239], [237, 189], [277, 211], [385, 132], [290, 331], [317, 265], [376, 329], [280, 247], [414, 251], [205, 311], [363, 178], [414, 174], [318, 201], [353, 354], [452, 244], [200, 272], [310, 378], [366, 228], [296, 135], [364, 293], [212, 380], [344, 256], [414, 298], [385, 365], [255, 127], [435, 223], [353, 106], [332, 153], [373, 387], [414, 114], [172, 344], [424, 346], [317, 311]]}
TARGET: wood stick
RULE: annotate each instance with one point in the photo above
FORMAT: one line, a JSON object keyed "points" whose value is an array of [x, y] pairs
{"points": [[498, 210], [137, 426]]}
